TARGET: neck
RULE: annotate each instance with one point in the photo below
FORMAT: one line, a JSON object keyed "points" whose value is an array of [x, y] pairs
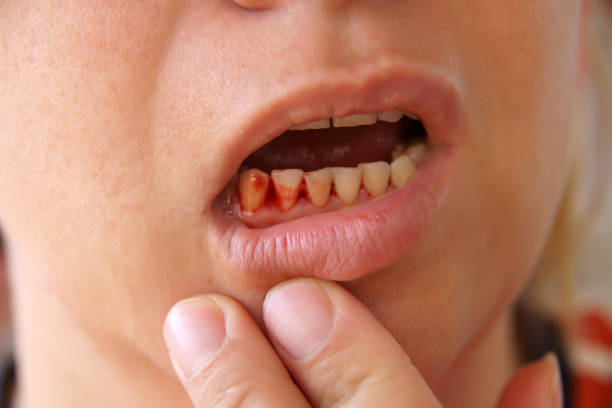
{"points": [[478, 376]]}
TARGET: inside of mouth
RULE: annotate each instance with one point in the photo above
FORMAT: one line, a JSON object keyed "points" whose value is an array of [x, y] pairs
{"points": [[305, 172], [311, 150]]}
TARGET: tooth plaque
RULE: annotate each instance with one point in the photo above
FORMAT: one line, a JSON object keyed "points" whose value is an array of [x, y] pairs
{"points": [[391, 116], [402, 170], [375, 177], [360, 119], [347, 181], [287, 186], [253, 187], [356, 120], [318, 124], [318, 186], [416, 152]]}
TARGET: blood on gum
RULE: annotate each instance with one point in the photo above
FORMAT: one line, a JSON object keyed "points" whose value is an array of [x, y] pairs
{"points": [[274, 195]]}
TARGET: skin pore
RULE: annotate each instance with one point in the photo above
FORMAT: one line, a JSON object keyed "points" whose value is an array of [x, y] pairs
{"points": [[118, 124]]}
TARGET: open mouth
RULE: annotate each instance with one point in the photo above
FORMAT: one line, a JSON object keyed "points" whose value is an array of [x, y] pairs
{"points": [[326, 165], [337, 178]]}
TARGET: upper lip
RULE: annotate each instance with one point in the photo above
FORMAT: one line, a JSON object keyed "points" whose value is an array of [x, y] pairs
{"points": [[376, 88]]}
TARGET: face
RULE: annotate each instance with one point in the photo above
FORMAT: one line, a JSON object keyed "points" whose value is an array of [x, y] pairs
{"points": [[122, 123]]}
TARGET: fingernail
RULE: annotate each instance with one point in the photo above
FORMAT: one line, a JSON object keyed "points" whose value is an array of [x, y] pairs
{"points": [[556, 390], [194, 332], [299, 315]]}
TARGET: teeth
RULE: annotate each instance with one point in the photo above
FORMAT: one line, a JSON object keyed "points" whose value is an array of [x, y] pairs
{"points": [[254, 184], [402, 169], [319, 124], [396, 154], [347, 181], [287, 186], [375, 177], [390, 116], [253, 187], [356, 120], [318, 185], [416, 152], [399, 150]]}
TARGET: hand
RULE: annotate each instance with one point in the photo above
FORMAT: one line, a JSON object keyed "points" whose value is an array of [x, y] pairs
{"points": [[337, 352]]}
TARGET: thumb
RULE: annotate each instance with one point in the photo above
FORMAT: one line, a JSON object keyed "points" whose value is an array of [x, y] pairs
{"points": [[337, 351], [535, 385]]}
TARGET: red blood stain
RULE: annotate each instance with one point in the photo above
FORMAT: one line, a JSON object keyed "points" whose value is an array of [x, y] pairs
{"points": [[259, 182]]}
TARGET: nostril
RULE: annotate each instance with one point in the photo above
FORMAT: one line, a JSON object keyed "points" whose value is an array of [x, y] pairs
{"points": [[256, 4]]}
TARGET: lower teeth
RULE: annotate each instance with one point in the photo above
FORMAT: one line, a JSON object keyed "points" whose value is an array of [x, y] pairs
{"points": [[284, 187]]}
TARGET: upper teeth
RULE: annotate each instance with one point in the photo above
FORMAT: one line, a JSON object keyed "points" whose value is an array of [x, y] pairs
{"points": [[355, 120], [391, 116], [319, 124]]}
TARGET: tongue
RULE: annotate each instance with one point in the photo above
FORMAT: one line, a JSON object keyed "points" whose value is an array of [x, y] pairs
{"points": [[335, 147]]}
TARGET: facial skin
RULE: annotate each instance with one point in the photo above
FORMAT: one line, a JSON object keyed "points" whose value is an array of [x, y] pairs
{"points": [[116, 126]]}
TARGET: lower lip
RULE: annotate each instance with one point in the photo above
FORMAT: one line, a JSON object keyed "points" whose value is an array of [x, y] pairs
{"points": [[345, 244]]}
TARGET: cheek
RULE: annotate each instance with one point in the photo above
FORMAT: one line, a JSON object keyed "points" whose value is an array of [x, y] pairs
{"points": [[78, 163], [518, 84]]}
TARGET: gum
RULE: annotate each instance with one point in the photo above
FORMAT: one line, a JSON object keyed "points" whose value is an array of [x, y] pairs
{"points": [[270, 214]]}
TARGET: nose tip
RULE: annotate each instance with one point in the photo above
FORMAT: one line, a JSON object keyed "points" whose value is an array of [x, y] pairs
{"points": [[256, 4]]}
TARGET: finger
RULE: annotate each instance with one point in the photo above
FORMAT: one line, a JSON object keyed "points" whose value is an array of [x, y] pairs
{"points": [[223, 359], [535, 385], [337, 351]]}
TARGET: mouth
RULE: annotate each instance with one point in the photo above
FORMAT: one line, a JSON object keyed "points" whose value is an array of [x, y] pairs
{"points": [[338, 178]]}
